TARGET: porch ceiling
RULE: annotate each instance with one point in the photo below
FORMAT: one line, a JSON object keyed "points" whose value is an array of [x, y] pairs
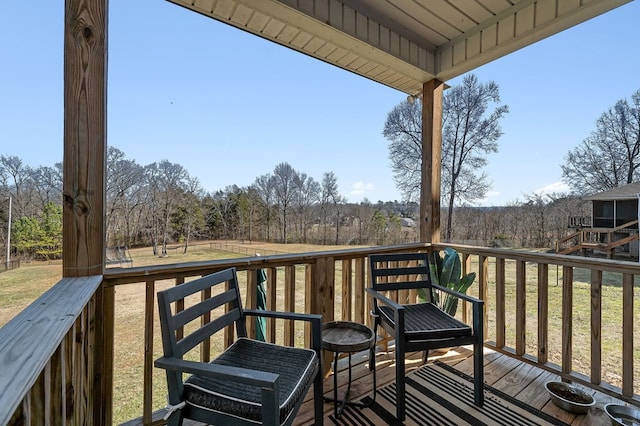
{"points": [[403, 43]]}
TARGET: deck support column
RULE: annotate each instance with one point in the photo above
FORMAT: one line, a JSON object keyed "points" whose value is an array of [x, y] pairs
{"points": [[83, 189], [431, 161], [85, 137]]}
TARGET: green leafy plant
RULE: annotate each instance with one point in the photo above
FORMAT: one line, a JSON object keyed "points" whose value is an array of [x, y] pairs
{"points": [[446, 271]]}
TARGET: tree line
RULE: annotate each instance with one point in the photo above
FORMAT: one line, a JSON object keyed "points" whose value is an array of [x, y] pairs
{"points": [[161, 204]]}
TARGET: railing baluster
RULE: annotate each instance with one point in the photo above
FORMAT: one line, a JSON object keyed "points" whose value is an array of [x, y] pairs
{"points": [[289, 303], [466, 268], [205, 347], [251, 301], [180, 307], [347, 290], [105, 322], [596, 326], [627, 334], [272, 291], [360, 301], [149, 319], [567, 318], [543, 313], [56, 385], [521, 307], [500, 302], [483, 289]]}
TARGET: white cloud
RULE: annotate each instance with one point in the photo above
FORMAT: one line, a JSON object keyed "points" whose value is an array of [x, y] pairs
{"points": [[555, 187], [360, 188]]}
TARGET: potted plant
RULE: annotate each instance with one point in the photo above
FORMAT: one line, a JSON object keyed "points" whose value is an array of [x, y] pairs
{"points": [[446, 271]]}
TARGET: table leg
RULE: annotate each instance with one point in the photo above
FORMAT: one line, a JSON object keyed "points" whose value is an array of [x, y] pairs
{"points": [[339, 404]]}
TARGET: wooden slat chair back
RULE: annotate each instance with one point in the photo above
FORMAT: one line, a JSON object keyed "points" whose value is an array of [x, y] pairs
{"points": [[251, 382], [419, 326]]}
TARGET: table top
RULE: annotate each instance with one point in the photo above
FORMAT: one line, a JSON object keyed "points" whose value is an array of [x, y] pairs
{"points": [[346, 336]]}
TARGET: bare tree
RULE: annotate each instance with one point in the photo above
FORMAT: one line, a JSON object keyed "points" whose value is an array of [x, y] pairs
{"points": [[610, 156], [264, 186], [124, 184], [469, 132], [307, 194], [14, 178], [331, 199], [47, 182], [404, 129], [285, 177]]}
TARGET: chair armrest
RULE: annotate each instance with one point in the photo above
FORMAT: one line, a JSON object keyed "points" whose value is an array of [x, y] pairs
{"points": [[384, 299], [223, 372], [457, 294]]}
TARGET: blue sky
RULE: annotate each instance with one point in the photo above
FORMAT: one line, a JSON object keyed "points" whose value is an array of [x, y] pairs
{"points": [[229, 106]]}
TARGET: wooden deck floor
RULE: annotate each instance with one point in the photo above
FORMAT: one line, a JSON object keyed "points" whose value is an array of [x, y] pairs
{"points": [[505, 373], [522, 380]]}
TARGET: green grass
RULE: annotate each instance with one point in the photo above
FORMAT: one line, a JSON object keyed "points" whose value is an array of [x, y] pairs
{"points": [[18, 288]]}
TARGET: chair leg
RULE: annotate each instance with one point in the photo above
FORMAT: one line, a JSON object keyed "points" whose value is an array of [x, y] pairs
{"points": [[318, 400], [425, 356], [175, 419], [400, 385], [478, 374]]}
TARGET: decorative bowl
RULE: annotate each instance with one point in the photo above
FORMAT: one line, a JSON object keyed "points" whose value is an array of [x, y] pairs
{"points": [[622, 415], [569, 397]]}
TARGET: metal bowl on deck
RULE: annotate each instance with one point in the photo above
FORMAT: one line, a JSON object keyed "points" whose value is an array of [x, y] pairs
{"points": [[622, 415], [569, 397]]}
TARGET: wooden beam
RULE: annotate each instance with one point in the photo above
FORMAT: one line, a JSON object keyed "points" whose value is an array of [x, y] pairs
{"points": [[431, 161], [85, 137]]}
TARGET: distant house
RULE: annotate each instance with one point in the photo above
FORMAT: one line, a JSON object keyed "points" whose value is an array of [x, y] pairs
{"points": [[612, 228], [615, 207], [408, 222]]}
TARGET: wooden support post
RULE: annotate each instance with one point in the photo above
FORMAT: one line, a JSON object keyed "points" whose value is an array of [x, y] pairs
{"points": [[83, 190], [85, 137], [431, 161]]}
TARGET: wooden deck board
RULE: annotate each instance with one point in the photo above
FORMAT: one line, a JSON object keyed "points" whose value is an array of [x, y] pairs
{"points": [[503, 372], [522, 380]]}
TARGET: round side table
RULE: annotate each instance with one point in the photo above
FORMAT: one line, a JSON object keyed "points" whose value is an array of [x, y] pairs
{"points": [[348, 337]]}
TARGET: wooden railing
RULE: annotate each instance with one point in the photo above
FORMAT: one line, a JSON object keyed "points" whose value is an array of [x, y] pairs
{"points": [[597, 238], [532, 319], [573, 316], [50, 358]]}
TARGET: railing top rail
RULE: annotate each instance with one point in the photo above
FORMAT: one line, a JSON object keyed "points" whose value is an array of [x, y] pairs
{"points": [[624, 225], [142, 273], [609, 265], [568, 237], [28, 341], [171, 271]]}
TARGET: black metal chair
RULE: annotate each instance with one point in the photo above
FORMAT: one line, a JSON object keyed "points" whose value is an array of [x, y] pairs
{"points": [[251, 382], [420, 326]]}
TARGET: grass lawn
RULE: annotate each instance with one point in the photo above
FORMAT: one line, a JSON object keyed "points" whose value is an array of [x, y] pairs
{"points": [[20, 287]]}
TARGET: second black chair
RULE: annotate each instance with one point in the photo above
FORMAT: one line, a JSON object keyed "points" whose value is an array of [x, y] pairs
{"points": [[420, 326]]}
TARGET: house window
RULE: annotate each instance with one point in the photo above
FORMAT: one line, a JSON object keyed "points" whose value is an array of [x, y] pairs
{"points": [[603, 214]]}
